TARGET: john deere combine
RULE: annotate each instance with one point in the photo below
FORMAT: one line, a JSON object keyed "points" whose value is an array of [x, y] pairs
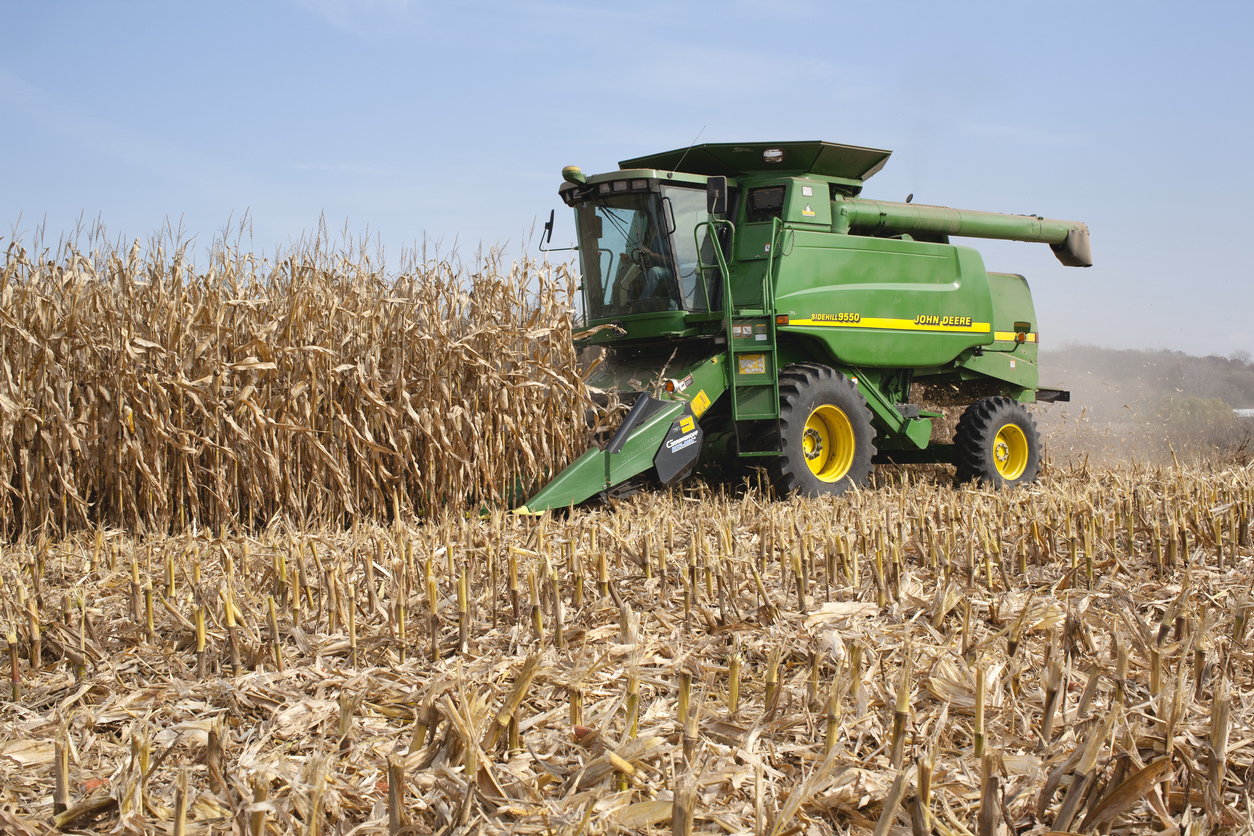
{"points": [[758, 310]]}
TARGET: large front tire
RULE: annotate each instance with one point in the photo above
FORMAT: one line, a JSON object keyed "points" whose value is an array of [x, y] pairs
{"points": [[827, 441], [997, 444]]}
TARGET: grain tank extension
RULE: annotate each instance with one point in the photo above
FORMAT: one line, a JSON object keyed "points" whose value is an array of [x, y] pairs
{"points": [[759, 311]]}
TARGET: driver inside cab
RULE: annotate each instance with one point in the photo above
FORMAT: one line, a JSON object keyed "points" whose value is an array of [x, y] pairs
{"points": [[644, 272]]}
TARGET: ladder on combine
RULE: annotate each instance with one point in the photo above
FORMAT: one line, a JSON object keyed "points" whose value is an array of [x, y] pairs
{"points": [[752, 373]]}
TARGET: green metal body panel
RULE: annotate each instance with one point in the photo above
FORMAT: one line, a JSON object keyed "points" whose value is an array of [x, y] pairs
{"points": [[582, 479], [884, 302], [804, 270], [1005, 366], [895, 429], [637, 456], [699, 384], [597, 471], [1007, 358]]}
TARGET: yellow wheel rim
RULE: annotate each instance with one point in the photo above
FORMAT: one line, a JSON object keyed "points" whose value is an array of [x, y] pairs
{"points": [[828, 443], [1010, 452]]}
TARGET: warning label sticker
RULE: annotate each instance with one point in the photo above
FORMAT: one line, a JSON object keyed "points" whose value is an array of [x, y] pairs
{"points": [[752, 363]]}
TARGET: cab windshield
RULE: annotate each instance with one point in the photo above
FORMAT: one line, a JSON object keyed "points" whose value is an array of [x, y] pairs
{"points": [[639, 255]]}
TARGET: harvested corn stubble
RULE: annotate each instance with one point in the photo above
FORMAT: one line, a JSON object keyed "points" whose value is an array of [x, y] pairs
{"points": [[1039, 701]]}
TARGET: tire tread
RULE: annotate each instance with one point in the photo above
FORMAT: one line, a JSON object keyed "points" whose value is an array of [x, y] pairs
{"points": [[794, 382], [972, 441]]}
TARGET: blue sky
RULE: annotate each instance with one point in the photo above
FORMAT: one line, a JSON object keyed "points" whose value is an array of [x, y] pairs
{"points": [[451, 122]]}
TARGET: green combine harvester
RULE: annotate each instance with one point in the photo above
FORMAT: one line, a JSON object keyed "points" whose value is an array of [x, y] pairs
{"points": [[757, 311]]}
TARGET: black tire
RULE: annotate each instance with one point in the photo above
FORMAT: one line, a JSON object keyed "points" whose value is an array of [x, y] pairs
{"points": [[982, 456], [805, 390]]}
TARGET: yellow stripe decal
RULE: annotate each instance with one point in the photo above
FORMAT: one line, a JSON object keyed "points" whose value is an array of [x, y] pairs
{"points": [[897, 324], [1009, 337]]}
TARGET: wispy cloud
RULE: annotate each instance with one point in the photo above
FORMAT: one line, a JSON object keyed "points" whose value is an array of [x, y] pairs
{"points": [[361, 15]]}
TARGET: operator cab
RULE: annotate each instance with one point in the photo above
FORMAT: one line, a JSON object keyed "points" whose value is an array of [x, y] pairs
{"points": [[639, 241]]}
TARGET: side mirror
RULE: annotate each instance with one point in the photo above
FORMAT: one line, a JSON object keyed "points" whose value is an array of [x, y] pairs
{"points": [[546, 237], [716, 195]]}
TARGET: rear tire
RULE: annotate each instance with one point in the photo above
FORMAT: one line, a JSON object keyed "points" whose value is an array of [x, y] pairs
{"points": [[827, 438], [996, 443]]}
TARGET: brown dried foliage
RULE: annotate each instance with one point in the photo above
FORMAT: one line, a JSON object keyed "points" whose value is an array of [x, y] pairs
{"points": [[143, 392]]}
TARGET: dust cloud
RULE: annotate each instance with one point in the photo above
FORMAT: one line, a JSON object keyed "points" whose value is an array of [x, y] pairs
{"points": [[1144, 406]]}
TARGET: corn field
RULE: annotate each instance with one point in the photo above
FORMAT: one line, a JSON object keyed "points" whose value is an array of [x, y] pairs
{"points": [[1073, 658], [142, 392]]}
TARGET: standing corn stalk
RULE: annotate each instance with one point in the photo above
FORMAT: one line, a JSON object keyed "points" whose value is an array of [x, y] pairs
{"points": [[148, 393]]}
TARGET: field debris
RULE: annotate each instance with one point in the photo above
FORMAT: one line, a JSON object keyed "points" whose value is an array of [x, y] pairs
{"points": [[1074, 657]]}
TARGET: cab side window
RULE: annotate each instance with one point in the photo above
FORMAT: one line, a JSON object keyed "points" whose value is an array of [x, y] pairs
{"points": [[765, 203]]}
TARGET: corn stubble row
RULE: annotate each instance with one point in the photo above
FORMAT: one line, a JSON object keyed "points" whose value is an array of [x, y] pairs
{"points": [[1074, 658], [138, 391]]}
